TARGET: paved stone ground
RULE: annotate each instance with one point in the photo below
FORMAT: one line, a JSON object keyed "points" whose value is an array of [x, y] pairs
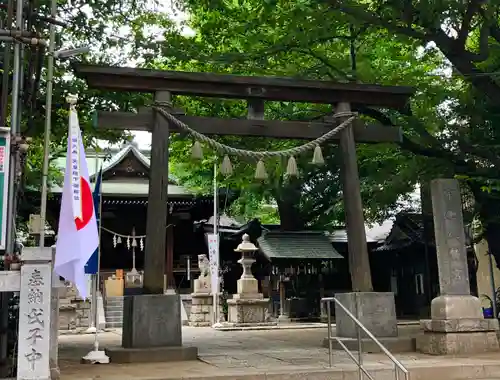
{"points": [[272, 354]]}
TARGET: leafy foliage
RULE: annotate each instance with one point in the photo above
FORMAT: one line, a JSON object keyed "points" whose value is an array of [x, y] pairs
{"points": [[288, 39], [448, 50]]}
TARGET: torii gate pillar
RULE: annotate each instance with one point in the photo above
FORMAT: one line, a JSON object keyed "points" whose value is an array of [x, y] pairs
{"points": [[152, 325]]}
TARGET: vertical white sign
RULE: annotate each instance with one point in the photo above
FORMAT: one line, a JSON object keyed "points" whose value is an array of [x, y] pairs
{"points": [[213, 251], [34, 322], [4, 183]]}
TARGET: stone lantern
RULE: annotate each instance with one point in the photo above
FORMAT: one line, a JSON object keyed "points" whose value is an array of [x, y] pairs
{"points": [[248, 286], [247, 306]]}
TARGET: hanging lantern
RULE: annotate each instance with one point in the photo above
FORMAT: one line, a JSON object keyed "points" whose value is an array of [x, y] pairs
{"points": [[260, 171], [197, 151], [291, 168], [119, 240], [226, 167], [134, 243], [318, 156]]}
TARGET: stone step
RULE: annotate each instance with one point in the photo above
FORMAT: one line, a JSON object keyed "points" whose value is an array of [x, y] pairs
{"points": [[114, 325], [114, 316], [111, 313], [114, 308], [114, 322], [114, 302]]}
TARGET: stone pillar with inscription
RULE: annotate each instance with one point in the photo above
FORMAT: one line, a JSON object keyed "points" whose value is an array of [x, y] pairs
{"points": [[457, 325], [34, 346]]}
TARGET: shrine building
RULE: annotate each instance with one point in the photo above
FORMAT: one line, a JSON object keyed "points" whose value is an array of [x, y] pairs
{"points": [[125, 186]]}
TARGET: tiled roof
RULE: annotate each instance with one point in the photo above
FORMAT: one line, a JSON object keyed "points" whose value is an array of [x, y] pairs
{"points": [[120, 187], [297, 245]]}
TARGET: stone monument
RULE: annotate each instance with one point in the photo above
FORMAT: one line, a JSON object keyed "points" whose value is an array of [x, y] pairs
{"points": [[202, 300], [248, 306], [457, 325]]}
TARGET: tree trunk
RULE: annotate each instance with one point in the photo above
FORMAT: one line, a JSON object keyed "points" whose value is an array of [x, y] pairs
{"points": [[488, 205], [492, 233], [290, 217], [288, 200]]}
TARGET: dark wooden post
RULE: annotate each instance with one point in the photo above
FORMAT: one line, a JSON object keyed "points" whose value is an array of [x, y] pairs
{"points": [[156, 224], [170, 258], [359, 262]]}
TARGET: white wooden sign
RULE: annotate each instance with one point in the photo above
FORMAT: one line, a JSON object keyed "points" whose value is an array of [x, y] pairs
{"points": [[213, 251], [34, 322]]}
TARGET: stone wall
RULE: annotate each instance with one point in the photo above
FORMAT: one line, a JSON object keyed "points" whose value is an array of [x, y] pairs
{"points": [[74, 313], [201, 310]]}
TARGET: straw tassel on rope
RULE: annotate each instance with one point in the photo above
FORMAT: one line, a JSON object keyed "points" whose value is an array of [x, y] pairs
{"points": [[291, 168], [318, 156], [197, 151], [260, 171], [226, 167]]}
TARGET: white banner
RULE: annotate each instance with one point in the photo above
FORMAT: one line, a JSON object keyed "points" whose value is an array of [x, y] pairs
{"points": [[74, 130], [213, 251]]}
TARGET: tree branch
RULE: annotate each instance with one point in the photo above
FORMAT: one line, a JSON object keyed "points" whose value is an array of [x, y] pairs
{"points": [[310, 52], [492, 22], [463, 33], [484, 47], [462, 60], [362, 13]]}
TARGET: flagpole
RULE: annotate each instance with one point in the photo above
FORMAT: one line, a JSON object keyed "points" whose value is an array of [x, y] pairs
{"points": [[93, 282], [96, 276], [215, 291], [96, 355]]}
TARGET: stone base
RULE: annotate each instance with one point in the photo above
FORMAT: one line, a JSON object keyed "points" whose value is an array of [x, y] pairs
{"points": [[202, 285], [247, 311], [227, 326], [457, 327], [284, 319], [201, 314], [152, 355], [438, 343], [55, 372], [247, 286], [152, 320], [396, 344], [456, 307], [375, 310]]}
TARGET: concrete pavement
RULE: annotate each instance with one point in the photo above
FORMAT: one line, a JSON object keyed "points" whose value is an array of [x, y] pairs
{"points": [[270, 355]]}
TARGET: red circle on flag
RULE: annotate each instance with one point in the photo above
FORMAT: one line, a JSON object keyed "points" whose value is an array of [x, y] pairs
{"points": [[87, 205]]}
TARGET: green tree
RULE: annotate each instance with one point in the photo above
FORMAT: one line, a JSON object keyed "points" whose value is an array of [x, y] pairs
{"points": [[451, 125], [85, 25], [253, 37]]}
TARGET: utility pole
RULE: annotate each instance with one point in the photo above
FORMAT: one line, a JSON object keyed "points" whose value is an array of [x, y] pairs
{"points": [[14, 128], [26, 14]]}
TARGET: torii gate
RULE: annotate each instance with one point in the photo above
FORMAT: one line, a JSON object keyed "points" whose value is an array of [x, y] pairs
{"points": [[255, 90]]}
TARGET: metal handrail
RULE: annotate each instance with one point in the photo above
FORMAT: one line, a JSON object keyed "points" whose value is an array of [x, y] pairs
{"points": [[359, 326]]}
